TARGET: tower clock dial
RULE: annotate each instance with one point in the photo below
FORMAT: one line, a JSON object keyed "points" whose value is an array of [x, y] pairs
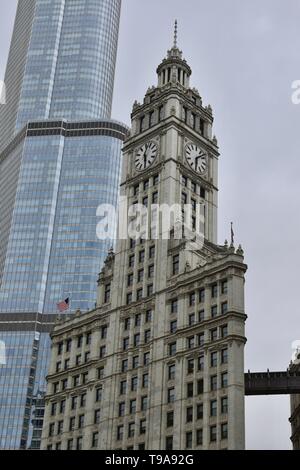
{"points": [[196, 158], [146, 156]]}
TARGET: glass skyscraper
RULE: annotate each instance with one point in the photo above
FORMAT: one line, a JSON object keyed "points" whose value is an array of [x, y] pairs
{"points": [[60, 159]]}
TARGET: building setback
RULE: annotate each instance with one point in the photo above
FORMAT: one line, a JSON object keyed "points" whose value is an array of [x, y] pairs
{"points": [[60, 159], [159, 364], [295, 408]]}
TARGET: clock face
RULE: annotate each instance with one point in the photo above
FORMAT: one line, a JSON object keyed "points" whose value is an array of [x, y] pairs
{"points": [[146, 156], [196, 158]]}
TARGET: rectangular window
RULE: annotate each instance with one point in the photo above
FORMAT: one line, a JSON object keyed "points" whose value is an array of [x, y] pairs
{"points": [[194, 204], [60, 348], [174, 306], [151, 272], [189, 414], [102, 352], [214, 311], [87, 356], [142, 427], [201, 363], [78, 360], [147, 336], [62, 406], [190, 390], [190, 366], [192, 299], [125, 343], [213, 433], [148, 317], [224, 431], [124, 367], [192, 319], [145, 380], [135, 362], [123, 387], [200, 411], [134, 384], [201, 295], [121, 409], [199, 434], [120, 433], [83, 400], [97, 416], [224, 356], [191, 342], [146, 359], [214, 334], [194, 187], [169, 443], [79, 341], [146, 185], [144, 403], [132, 407], [100, 373], [129, 298], [214, 291], [51, 429], [129, 280], [139, 294], [171, 395], [98, 394], [189, 440], [172, 349], [53, 409], [107, 290], [74, 403], [72, 424], [200, 387], [170, 419], [70, 444], [151, 252], [171, 372], [137, 320], [136, 190], [173, 326], [68, 345], [155, 198], [213, 408], [201, 316], [80, 421], [58, 366], [127, 324], [136, 340], [224, 308], [213, 359], [224, 287], [224, 380], [150, 290], [175, 265], [76, 381], [79, 443], [201, 339], [95, 440], [131, 261], [224, 331], [88, 338], [224, 405], [132, 243], [213, 383]]}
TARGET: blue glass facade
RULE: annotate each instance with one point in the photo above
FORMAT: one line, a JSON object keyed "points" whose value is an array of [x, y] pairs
{"points": [[71, 59], [64, 171], [60, 159], [53, 251]]}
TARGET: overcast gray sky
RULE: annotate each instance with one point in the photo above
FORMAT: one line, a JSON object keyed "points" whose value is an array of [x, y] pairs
{"points": [[245, 56]]}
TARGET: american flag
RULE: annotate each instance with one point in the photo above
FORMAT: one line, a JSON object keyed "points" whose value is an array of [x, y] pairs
{"points": [[64, 305]]}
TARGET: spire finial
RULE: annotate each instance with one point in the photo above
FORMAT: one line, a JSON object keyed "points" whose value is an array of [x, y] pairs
{"points": [[175, 34]]}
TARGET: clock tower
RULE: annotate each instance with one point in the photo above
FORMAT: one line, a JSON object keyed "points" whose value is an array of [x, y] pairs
{"points": [[165, 348]]}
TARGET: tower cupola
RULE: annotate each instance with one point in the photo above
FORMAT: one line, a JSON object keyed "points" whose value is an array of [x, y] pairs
{"points": [[174, 69]]}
